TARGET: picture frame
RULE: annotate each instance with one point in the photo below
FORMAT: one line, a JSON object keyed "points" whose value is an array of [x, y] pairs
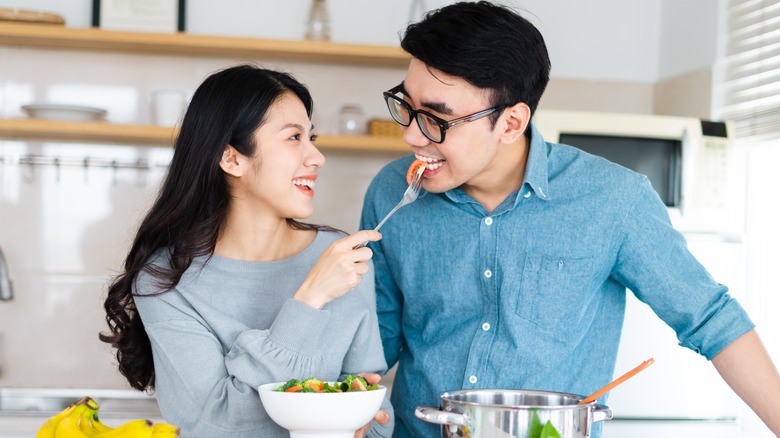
{"points": [[162, 16]]}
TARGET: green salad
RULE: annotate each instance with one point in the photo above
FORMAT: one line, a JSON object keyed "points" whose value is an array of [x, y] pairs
{"points": [[539, 430], [350, 384]]}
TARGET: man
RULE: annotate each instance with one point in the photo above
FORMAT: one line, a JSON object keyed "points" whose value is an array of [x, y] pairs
{"points": [[511, 271]]}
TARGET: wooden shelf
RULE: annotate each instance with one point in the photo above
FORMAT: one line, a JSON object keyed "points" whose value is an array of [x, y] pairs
{"points": [[145, 135], [58, 37], [183, 44], [91, 132]]}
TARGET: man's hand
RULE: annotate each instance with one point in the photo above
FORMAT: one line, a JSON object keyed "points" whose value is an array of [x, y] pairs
{"points": [[381, 417]]}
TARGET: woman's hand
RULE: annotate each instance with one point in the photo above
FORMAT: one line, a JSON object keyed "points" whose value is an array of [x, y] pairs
{"points": [[381, 417], [339, 269]]}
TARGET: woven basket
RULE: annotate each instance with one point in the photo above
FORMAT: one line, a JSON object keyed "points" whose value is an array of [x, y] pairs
{"points": [[384, 128]]}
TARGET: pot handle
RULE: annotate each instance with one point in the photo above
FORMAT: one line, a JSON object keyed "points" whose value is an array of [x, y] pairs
{"points": [[601, 413], [433, 415]]}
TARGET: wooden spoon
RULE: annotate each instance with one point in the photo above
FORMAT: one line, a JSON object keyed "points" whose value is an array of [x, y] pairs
{"points": [[616, 382]]}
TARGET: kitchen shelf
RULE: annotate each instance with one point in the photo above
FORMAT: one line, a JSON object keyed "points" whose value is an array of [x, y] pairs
{"points": [[58, 37], [183, 44], [146, 135]]}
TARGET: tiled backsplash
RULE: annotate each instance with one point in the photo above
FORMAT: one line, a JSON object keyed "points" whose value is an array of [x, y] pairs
{"points": [[64, 230]]}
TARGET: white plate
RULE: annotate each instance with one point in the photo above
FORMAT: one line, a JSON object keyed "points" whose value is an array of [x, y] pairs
{"points": [[64, 112]]}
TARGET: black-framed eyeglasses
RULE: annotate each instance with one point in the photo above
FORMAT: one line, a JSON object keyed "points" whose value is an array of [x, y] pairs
{"points": [[432, 127]]}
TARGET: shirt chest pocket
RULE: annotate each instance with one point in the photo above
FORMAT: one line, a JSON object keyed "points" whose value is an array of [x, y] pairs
{"points": [[554, 293]]}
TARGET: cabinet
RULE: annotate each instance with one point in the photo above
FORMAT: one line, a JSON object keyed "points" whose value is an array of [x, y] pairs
{"points": [[54, 37]]}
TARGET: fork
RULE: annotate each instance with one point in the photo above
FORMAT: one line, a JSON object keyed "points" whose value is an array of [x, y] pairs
{"points": [[410, 195]]}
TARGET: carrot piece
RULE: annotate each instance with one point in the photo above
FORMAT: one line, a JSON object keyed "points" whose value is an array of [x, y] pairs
{"points": [[357, 384], [413, 169], [316, 386], [295, 388]]}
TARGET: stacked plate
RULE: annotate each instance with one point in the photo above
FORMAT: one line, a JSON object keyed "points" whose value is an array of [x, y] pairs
{"points": [[64, 112], [30, 16]]}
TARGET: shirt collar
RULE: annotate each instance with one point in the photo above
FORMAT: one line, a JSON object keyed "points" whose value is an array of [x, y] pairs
{"points": [[536, 174], [536, 168]]}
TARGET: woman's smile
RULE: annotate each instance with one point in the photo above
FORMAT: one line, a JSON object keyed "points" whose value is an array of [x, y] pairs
{"points": [[305, 184]]}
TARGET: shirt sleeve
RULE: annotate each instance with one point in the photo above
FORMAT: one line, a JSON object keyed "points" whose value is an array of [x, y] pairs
{"points": [[654, 262]]}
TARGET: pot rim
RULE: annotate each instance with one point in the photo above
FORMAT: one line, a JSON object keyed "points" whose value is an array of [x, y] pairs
{"points": [[447, 395]]}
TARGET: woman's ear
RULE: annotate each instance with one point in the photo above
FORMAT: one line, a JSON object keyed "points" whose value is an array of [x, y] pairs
{"points": [[233, 162], [518, 118]]}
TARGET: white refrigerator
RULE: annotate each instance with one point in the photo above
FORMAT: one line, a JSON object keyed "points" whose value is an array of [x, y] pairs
{"points": [[681, 395]]}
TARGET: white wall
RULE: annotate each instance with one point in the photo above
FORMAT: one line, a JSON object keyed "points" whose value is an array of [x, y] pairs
{"points": [[617, 40], [600, 39], [688, 37]]}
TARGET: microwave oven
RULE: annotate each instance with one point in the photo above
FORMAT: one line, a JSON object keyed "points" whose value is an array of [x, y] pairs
{"points": [[691, 163]]}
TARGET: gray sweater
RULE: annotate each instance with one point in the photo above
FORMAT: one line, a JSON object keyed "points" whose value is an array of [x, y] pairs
{"points": [[231, 325]]}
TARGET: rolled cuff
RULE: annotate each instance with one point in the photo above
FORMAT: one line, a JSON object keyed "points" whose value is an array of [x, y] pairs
{"points": [[729, 323]]}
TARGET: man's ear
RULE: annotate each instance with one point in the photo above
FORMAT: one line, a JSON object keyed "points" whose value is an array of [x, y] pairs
{"points": [[518, 116], [233, 162]]}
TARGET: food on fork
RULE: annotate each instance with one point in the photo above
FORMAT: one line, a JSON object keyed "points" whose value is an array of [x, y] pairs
{"points": [[416, 164]]}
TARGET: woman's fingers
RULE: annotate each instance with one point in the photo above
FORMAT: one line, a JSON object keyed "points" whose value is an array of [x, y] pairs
{"points": [[362, 236], [371, 378], [382, 417], [338, 270], [361, 268]]}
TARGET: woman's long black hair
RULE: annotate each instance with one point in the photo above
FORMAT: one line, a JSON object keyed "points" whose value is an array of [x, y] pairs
{"points": [[190, 210]]}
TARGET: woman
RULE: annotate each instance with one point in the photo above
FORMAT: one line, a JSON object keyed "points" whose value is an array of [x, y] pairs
{"points": [[222, 290]]}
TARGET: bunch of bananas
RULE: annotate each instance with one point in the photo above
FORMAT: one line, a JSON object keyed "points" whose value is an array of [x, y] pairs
{"points": [[80, 420]]}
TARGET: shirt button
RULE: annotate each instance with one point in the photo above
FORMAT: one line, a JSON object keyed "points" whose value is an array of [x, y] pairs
{"points": [[485, 326], [488, 221], [527, 195], [473, 379], [488, 273]]}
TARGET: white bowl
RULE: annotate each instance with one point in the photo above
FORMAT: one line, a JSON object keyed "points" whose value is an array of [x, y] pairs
{"points": [[321, 414]]}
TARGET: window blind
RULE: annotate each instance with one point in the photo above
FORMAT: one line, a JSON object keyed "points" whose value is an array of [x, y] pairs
{"points": [[749, 85]]}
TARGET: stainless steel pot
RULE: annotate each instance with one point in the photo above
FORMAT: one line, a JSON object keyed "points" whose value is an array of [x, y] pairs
{"points": [[504, 413]]}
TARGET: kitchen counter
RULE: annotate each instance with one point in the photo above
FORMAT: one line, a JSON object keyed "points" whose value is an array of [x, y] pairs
{"points": [[24, 410], [26, 426]]}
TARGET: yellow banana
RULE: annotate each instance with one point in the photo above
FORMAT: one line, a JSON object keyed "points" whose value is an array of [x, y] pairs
{"points": [[87, 423], [164, 430], [131, 429], [70, 427], [49, 428], [97, 426], [84, 424], [80, 420], [90, 403]]}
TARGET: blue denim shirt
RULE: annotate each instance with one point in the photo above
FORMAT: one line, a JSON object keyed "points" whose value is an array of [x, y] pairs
{"points": [[531, 295]]}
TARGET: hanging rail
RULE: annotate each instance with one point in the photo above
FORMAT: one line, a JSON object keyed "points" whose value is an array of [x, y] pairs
{"points": [[86, 162]]}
